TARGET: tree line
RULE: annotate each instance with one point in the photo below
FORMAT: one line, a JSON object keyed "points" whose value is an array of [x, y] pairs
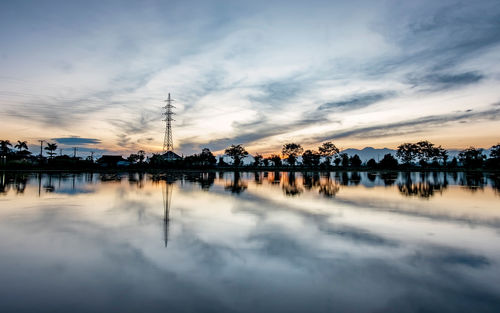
{"points": [[422, 154]]}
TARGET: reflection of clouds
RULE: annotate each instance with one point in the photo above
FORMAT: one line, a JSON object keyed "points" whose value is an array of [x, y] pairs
{"points": [[300, 249]]}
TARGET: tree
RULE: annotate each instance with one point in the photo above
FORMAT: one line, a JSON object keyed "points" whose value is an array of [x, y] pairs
{"points": [[276, 159], [407, 152], [388, 162], [495, 151], [21, 145], [142, 155], [207, 157], [51, 148], [344, 157], [133, 158], [310, 158], [328, 150], [454, 162], [4, 147], [266, 161], [371, 163], [442, 154], [355, 161], [425, 151], [236, 152], [221, 161], [472, 157], [290, 152], [337, 160], [257, 159], [494, 160]]}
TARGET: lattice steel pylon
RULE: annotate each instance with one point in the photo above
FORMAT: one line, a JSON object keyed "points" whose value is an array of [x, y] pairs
{"points": [[168, 142]]}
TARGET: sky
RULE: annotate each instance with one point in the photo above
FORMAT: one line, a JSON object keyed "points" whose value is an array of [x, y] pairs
{"points": [[94, 74]]}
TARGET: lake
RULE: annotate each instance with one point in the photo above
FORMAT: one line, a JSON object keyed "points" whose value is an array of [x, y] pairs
{"points": [[250, 242]]}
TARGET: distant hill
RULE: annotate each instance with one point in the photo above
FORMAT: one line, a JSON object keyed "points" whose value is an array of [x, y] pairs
{"points": [[368, 153]]}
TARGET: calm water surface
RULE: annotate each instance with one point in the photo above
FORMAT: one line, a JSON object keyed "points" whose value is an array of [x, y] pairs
{"points": [[250, 242]]}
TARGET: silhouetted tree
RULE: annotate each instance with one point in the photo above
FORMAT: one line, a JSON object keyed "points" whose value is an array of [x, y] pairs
{"points": [[345, 159], [207, 157], [266, 161], [4, 147], [371, 163], [355, 161], [494, 160], [425, 151], [133, 158], [454, 162], [21, 145], [328, 150], [257, 159], [290, 152], [337, 160], [51, 148], [388, 162], [407, 152], [276, 159], [495, 151], [310, 158], [221, 161], [236, 152], [472, 157], [142, 155], [442, 154]]}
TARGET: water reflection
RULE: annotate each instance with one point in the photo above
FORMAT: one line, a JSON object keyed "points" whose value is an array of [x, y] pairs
{"points": [[236, 184], [411, 184], [243, 242]]}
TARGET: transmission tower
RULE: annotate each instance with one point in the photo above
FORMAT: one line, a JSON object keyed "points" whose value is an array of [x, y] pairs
{"points": [[168, 142]]}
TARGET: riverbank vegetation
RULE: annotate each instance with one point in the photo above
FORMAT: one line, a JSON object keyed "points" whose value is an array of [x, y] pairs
{"points": [[422, 155]]}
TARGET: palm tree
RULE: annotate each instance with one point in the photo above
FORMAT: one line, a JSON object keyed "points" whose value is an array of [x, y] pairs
{"points": [[21, 145], [51, 147], [4, 146]]}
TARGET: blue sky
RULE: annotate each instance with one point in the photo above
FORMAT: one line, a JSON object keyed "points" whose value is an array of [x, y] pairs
{"points": [[260, 73]]}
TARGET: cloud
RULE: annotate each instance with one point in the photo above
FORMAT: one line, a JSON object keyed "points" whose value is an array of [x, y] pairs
{"points": [[434, 82], [76, 141], [417, 125], [356, 101]]}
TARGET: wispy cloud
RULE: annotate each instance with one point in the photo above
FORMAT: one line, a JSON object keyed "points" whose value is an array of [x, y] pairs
{"points": [[76, 141]]}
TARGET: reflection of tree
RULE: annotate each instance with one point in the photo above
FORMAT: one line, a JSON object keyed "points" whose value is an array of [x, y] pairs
{"points": [[3, 183], [473, 181], [136, 179], [290, 187], [48, 185], [329, 188], [257, 178], [276, 178], [389, 178], [355, 178], [236, 185], [20, 183], [423, 189], [371, 177], [310, 181], [495, 183], [344, 179], [205, 180], [110, 177]]}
